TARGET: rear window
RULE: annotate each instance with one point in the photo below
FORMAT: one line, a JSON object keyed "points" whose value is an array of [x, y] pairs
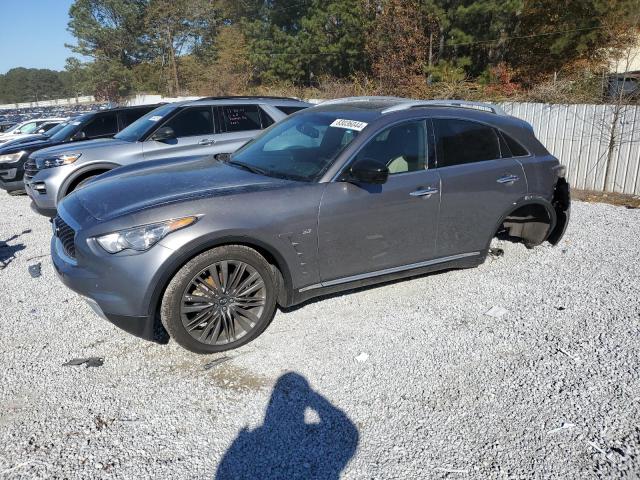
{"points": [[463, 141], [289, 110]]}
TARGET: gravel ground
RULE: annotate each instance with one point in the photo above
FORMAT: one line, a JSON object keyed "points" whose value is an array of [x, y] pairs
{"points": [[407, 380]]}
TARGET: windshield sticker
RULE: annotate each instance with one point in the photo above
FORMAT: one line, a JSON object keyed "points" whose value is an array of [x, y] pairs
{"points": [[75, 123], [349, 124], [155, 118]]}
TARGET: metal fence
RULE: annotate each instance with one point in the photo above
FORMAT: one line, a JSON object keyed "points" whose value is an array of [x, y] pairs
{"points": [[581, 137]]}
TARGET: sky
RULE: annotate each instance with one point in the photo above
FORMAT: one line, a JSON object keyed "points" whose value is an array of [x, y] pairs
{"points": [[33, 34]]}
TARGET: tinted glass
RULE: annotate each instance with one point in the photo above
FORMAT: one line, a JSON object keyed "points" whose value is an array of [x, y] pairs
{"points": [[102, 125], [55, 129], [266, 120], [71, 127], [462, 141], [290, 110], [192, 121], [46, 127], [298, 148], [127, 117], [517, 150], [138, 129], [402, 148], [241, 118]]}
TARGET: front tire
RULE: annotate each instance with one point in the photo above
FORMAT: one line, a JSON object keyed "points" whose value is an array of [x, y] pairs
{"points": [[220, 300]]}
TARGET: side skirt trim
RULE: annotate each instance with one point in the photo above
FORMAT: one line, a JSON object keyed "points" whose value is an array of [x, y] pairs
{"points": [[388, 271]]}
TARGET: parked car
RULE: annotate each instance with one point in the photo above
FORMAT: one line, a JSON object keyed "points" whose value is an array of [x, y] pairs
{"points": [[6, 125], [341, 195], [29, 127], [89, 126], [206, 126]]}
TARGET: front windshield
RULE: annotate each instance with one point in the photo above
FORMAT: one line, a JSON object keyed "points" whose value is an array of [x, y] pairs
{"points": [[69, 128], [300, 147], [137, 129]]}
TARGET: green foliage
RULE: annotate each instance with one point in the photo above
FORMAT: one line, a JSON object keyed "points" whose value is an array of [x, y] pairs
{"points": [[33, 84], [402, 47]]}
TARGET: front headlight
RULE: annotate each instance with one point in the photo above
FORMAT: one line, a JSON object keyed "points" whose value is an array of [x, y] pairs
{"points": [[11, 157], [58, 160], [144, 237]]}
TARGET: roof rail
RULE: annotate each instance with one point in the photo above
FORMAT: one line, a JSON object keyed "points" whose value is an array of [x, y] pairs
{"points": [[338, 101], [248, 97], [484, 107]]}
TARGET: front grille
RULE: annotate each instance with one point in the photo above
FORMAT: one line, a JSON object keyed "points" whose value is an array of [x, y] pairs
{"points": [[30, 169], [66, 235]]}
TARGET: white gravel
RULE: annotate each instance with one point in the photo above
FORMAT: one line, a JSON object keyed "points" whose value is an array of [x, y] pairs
{"points": [[407, 380]]}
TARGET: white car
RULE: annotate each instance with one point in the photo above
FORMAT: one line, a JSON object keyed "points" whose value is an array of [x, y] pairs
{"points": [[33, 127]]}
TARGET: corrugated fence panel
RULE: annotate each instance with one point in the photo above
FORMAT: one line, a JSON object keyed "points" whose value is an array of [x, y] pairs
{"points": [[579, 135]]}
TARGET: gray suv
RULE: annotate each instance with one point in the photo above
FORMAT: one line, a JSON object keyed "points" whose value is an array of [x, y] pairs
{"points": [[345, 194], [206, 126]]}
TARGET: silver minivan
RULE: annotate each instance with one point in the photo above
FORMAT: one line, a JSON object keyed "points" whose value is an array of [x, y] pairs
{"points": [[206, 126]]}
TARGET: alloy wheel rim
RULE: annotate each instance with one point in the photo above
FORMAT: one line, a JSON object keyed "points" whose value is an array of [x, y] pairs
{"points": [[223, 302]]}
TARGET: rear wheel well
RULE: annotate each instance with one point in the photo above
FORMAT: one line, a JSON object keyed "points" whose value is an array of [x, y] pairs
{"points": [[530, 223], [82, 177]]}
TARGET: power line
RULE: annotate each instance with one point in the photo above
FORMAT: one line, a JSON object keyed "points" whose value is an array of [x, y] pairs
{"points": [[518, 37]]}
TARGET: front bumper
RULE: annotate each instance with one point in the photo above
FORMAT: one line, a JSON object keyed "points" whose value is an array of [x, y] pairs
{"points": [[43, 189], [118, 287], [10, 180]]}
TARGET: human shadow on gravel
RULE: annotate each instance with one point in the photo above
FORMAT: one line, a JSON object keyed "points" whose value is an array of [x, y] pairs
{"points": [[8, 252], [286, 446]]}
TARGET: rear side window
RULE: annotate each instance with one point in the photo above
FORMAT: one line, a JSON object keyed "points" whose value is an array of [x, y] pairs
{"points": [[516, 149], [192, 121], [463, 141], [289, 110], [240, 118], [102, 125]]}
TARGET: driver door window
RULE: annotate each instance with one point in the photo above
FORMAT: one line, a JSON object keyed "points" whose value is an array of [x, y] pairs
{"points": [[191, 122], [402, 148]]}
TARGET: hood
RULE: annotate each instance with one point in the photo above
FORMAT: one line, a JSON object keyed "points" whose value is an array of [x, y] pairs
{"points": [[29, 144], [83, 146], [151, 184]]}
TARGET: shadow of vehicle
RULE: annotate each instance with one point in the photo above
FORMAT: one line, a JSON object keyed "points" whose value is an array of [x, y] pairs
{"points": [[8, 252], [287, 446]]}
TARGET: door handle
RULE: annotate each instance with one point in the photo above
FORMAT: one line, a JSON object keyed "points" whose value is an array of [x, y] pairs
{"points": [[206, 141], [426, 192], [508, 179]]}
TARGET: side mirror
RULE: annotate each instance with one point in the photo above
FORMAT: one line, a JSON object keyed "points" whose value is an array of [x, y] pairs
{"points": [[79, 136], [163, 134], [367, 170]]}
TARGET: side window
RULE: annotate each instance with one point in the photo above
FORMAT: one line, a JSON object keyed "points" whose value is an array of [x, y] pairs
{"points": [[516, 149], [127, 117], [402, 148], [240, 118], [265, 119], [289, 110], [192, 121], [463, 141], [102, 125]]}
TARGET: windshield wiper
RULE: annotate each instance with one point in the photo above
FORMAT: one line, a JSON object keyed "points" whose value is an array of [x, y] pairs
{"points": [[249, 168]]}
